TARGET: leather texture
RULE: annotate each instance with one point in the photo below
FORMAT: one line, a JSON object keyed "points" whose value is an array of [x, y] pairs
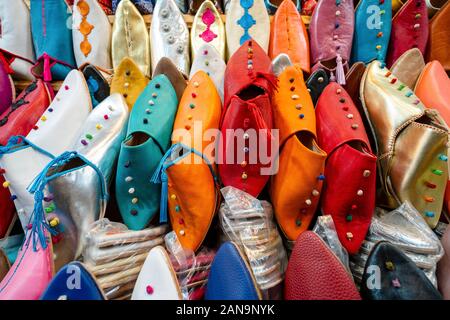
{"points": [[4, 264], [130, 37], [194, 5], [144, 6], [408, 67], [97, 84], [54, 132], [315, 273], [91, 32], [16, 36], [230, 277], [372, 30], [247, 19], [50, 26], [129, 81], [350, 188], [73, 282], [30, 274], [169, 36], [400, 278], [433, 89], [443, 267], [207, 28], [166, 67], [247, 106], [157, 279], [8, 90], [316, 83], [192, 206], [438, 44], [417, 171], [288, 35], [274, 6], [209, 60], [409, 30], [331, 35], [148, 139], [300, 157]]}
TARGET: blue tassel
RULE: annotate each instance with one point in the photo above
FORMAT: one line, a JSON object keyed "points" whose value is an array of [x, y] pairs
{"points": [[164, 198]]}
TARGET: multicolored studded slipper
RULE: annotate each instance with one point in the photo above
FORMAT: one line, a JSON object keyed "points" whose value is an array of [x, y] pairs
{"points": [[408, 66], [148, 139], [166, 67], [316, 83], [97, 84]]}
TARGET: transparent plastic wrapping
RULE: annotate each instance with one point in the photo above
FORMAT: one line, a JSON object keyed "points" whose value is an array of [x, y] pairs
{"points": [[326, 229], [115, 255], [192, 269], [406, 229], [249, 223]]}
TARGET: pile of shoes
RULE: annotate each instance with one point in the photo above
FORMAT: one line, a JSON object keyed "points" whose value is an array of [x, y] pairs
{"points": [[216, 150]]}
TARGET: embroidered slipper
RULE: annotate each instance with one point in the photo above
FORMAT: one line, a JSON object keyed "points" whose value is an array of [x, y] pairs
{"points": [[166, 67], [191, 207], [331, 35], [97, 84], [305, 275], [16, 37], [52, 37], [73, 282], [129, 81], [398, 121], [157, 279], [22, 159], [147, 140], [91, 32], [249, 84], [408, 66], [169, 36], [409, 30], [300, 157], [207, 28], [372, 30], [247, 19], [231, 277], [349, 192], [288, 35], [209, 60], [130, 37]]}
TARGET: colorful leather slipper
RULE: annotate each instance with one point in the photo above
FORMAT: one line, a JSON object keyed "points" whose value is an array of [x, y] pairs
{"points": [[33, 269], [209, 60], [129, 81], [331, 34], [408, 67], [130, 37], [8, 90], [73, 282], [144, 6], [433, 89], [372, 30], [97, 84], [398, 278], [169, 36], [409, 30], [4, 265], [192, 207], [438, 47], [349, 191], [157, 279], [443, 267], [274, 6], [91, 32], [288, 35], [76, 184], [231, 277], [52, 37], [207, 28], [16, 37], [305, 276], [22, 159], [397, 120], [300, 157], [247, 107], [316, 83], [148, 139], [247, 19], [166, 67]]}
